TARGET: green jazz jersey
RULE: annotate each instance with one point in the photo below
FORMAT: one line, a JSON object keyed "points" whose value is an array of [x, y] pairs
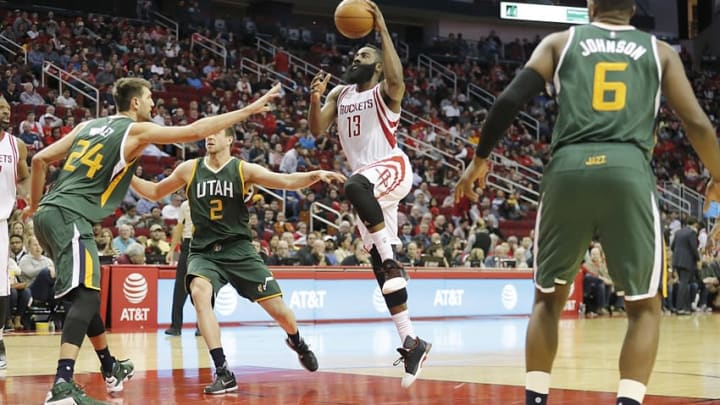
{"points": [[608, 86], [217, 207], [95, 176]]}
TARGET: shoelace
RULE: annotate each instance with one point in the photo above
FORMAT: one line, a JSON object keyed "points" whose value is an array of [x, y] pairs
{"points": [[402, 357]]}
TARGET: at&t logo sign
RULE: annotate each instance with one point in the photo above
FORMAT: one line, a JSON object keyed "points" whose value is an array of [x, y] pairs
{"points": [[509, 297], [135, 288]]}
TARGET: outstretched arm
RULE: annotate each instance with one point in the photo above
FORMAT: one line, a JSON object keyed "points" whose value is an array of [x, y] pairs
{"points": [[256, 174], [155, 191], [393, 86], [145, 133]]}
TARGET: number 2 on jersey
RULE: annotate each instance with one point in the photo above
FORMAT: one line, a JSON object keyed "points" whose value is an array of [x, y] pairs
{"points": [[601, 86], [216, 208], [90, 158], [353, 124]]}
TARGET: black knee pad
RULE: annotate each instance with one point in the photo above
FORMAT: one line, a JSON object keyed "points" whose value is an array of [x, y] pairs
{"points": [[397, 298], [84, 306], [359, 191]]}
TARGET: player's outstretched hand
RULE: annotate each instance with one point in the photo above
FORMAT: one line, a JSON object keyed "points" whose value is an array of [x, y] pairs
{"points": [[328, 176], [261, 105], [319, 84], [379, 19], [477, 171]]}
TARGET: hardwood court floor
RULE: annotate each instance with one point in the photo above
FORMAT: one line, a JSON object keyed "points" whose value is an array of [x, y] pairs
{"points": [[476, 361]]}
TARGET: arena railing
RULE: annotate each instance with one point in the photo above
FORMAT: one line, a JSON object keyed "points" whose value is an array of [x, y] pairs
{"points": [[317, 217], [255, 68], [13, 47], [211, 45], [168, 23], [487, 99], [66, 78], [436, 68], [303, 65]]}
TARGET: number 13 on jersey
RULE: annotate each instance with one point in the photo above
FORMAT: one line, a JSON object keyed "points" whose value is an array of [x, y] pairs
{"points": [[602, 87], [353, 125]]}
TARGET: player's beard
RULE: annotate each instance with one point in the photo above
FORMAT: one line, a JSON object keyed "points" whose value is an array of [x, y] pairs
{"points": [[4, 125], [362, 74]]}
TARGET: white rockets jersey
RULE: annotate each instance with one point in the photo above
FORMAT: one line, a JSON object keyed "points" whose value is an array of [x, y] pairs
{"points": [[9, 155], [366, 126]]}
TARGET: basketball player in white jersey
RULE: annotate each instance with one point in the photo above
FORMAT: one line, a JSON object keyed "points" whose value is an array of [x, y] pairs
{"points": [[368, 112], [13, 169]]}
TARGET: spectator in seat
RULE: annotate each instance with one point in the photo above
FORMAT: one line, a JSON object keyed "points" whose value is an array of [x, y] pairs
{"points": [[596, 282], [281, 255], [172, 210], [316, 252], [32, 139], [134, 254], [37, 273], [411, 257], [30, 96], [105, 243], [360, 256], [157, 244], [344, 249], [67, 101], [499, 258], [12, 93], [330, 258], [49, 120], [476, 258], [124, 238], [153, 218], [17, 247], [130, 217], [19, 298]]}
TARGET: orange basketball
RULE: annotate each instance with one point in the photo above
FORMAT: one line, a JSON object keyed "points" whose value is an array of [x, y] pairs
{"points": [[353, 19]]}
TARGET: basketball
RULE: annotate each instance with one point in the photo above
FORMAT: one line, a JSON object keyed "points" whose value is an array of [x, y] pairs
{"points": [[353, 19]]}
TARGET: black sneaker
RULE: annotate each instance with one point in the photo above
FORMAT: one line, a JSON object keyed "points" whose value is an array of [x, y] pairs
{"points": [[224, 382], [122, 371], [394, 279], [68, 392], [413, 354], [3, 358], [305, 355], [173, 331]]}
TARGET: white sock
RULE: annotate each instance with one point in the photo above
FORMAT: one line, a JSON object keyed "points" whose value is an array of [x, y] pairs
{"points": [[632, 389], [403, 325], [381, 240], [537, 381]]}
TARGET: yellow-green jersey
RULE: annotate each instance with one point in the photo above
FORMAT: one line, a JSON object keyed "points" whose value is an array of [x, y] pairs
{"points": [[608, 85], [95, 177], [217, 207]]}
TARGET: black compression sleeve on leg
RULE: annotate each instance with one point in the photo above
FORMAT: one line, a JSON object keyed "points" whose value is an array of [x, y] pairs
{"points": [[376, 261], [4, 303], [359, 191], [85, 304], [96, 327]]}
